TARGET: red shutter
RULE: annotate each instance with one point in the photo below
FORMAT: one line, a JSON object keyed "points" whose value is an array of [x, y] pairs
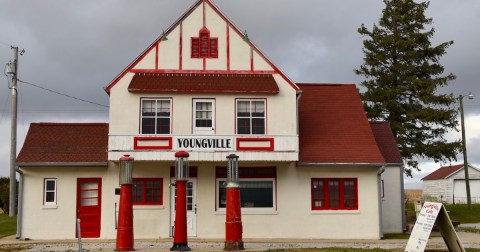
{"points": [[213, 47], [195, 48]]}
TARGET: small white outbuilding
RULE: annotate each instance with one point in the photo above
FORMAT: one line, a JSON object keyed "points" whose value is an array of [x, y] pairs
{"points": [[447, 184]]}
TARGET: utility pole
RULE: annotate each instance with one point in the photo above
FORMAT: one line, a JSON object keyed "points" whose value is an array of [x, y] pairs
{"points": [[13, 136], [464, 149]]}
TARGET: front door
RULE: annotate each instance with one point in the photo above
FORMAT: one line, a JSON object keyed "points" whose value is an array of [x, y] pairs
{"points": [[203, 116], [191, 207], [89, 199]]}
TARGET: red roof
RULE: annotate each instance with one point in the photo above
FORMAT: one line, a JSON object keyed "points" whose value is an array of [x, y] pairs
{"points": [[65, 143], [224, 83], [386, 142], [334, 127], [443, 172]]}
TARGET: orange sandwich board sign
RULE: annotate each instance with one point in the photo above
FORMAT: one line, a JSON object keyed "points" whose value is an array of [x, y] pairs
{"points": [[423, 227]]}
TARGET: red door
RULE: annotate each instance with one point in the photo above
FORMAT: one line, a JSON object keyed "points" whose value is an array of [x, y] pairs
{"points": [[89, 199]]}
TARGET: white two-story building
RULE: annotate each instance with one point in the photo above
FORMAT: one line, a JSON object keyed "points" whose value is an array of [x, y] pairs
{"points": [[311, 165]]}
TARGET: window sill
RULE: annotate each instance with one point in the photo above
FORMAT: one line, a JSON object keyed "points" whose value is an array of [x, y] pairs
{"points": [[49, 207], [315, 212], [148, 207], [250, 212]]}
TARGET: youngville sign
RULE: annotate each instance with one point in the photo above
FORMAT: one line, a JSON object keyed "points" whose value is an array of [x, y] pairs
{"points": [[203, 143]]}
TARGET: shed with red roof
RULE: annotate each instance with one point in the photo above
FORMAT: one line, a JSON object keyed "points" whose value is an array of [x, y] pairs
{"points": [[447, 184]]}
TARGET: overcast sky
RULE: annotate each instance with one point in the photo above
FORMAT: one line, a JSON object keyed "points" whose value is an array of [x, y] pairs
{"points": [[78, 47]]}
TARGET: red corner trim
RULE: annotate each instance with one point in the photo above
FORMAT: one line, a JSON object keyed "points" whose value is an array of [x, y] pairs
{"points": [[137, 147], [269, 148]]}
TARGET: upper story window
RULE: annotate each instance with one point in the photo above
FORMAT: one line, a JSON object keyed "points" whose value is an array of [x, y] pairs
{"points": [[156, 116], [250, 116], [204, 46], [334, 194]]}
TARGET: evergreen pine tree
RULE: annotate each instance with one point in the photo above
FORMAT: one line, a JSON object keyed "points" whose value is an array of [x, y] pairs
{"points": [[402, 79]]}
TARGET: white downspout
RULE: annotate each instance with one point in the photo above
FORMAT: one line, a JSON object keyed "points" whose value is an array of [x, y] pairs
{"points": [[402, 193], [380, 210], [20, 204], [299, 94]]}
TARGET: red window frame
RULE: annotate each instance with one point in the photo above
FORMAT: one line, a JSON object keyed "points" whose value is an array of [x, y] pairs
{"points": [[145, 189], [326, 191], [204, 46]]}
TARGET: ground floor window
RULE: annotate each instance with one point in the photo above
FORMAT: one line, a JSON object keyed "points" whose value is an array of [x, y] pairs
{"points": [[50, 192], [334, 194], [147, 191], [257, 188]]}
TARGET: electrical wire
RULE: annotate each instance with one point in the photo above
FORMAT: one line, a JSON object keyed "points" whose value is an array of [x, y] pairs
{"points": [[5, 44], [62, 94]]}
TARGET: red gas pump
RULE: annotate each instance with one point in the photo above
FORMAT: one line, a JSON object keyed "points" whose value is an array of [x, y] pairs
{"points": [[233, 223], [125, 212], [180, 242]]}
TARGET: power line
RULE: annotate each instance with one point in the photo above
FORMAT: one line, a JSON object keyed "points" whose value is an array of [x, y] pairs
{"points": [[62, 94], [5, 44]]}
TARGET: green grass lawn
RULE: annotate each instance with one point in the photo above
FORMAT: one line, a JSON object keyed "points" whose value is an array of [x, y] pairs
{"points": [[8, 225], [462, 214]]}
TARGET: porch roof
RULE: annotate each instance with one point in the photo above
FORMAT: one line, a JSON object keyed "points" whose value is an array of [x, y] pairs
{"points": [[66, 143]]}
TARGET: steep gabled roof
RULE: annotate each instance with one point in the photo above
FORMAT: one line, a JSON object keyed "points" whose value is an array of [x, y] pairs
{"points": [[443, 172], [334, 128], [174, 25], [65, 143], [386, 142]]}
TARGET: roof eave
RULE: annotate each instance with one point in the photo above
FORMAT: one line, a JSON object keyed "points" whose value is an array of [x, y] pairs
{"points": [[58, 164], [344, 164], [138, 90]]}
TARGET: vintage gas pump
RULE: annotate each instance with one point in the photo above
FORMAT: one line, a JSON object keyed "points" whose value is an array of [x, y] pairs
{"points": [[180, 242], [233, 223], [125, 215]]}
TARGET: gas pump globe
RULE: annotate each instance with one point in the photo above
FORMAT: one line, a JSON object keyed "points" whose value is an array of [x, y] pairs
{"points": [[232, 169], [181, 165], [126, 170], [180, 242]]}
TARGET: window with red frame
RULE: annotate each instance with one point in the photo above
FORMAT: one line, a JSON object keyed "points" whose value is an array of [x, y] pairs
{"points": [[147, 191], [204, 46], [251, 116], [334, 194]]}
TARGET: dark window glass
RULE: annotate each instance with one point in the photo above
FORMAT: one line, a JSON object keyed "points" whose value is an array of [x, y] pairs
{"points": [[155, 116], [250, 117], [50, 197], [50, 185], [253, 194]]}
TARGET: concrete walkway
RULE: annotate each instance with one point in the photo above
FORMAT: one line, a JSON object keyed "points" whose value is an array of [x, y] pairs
{"points": [[469, 240]]}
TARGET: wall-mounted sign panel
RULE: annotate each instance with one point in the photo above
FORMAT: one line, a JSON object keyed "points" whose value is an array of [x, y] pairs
{"points": [[204, 143]]}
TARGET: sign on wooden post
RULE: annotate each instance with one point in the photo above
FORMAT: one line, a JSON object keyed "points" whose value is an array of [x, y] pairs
{"points": [[423, 227]]}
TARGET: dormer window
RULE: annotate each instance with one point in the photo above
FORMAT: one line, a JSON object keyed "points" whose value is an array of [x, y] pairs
{"points": [[204, 46]]}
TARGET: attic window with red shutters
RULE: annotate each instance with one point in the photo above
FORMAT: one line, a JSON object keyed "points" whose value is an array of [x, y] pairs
{"points": [[204, 46]]}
